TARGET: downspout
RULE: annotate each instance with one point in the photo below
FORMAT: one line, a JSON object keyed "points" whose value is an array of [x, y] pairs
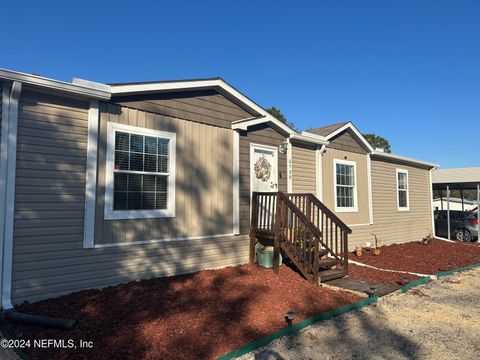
{"points": [[3, 171], [9, 165], [431, 201], [319, 172]]}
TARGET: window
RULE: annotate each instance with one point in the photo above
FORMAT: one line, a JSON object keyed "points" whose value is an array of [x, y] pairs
{"points": [[402, 190], [345, 186], [140, 173]]}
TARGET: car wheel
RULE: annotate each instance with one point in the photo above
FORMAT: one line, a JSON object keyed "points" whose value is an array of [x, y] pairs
{"points": [[463, 235]]}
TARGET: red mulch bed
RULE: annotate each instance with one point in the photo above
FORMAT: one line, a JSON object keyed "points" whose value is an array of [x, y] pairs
{"points": [[378, 276], [197, 316], [437, 256]]}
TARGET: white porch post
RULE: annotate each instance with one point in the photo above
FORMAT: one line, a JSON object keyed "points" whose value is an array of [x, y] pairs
{"points": [[448, 211]]}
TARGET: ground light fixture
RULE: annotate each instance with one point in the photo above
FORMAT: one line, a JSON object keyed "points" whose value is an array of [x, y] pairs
{"points": [[405, 281], [371, 292], [290, 317]]}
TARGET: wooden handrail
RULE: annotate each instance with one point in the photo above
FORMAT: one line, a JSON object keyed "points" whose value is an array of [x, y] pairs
{"points": [[330, 214], [298, 224]]}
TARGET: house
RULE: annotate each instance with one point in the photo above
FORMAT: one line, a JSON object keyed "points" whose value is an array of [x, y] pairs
{"points": [[455, 204], [102, 184]]}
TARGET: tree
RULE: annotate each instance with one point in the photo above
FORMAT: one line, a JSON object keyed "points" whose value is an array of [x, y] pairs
{"points": [[276, 113], [378, 142]]}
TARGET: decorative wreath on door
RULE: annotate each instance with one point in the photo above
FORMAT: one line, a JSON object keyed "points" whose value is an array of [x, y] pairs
{"points": [[262, 168]]}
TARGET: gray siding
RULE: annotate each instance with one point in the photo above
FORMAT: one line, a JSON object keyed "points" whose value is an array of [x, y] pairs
{"points": [[204, 181], [48, 255], [304, 170], [265, 135], [389, 224], [206, 106]]}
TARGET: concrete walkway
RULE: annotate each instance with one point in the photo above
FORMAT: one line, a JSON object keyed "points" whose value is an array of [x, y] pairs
{"points": [[439, 320]]}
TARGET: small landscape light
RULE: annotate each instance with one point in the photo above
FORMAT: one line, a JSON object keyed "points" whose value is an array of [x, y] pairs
{"points": [[405, 281], [371, 292], [290, 317]]}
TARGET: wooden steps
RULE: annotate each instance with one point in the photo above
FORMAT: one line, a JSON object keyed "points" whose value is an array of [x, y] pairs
{"points": [[305, 230], [326, 275], [327, 262]]}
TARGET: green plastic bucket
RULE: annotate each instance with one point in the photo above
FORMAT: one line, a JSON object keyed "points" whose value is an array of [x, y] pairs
{"points": [[265, 258]]}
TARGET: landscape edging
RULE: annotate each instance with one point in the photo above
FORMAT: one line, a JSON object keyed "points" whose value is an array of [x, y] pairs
{"points": [[297, 327]]}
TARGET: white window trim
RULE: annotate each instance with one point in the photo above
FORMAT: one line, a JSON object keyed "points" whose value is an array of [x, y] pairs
{"points": [[111, 214], [406, 208], [355, 198]]}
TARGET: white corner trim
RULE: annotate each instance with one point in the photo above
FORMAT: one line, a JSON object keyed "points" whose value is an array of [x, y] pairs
{"points": [[83, 90], [431, 202], [110, 214], [319, 172], [289, 167], [355, 197], [236, 182], [370, 194], [91, 175], [10, 195], [156, 241], [407, 208], [3, 172], [352, 127]]}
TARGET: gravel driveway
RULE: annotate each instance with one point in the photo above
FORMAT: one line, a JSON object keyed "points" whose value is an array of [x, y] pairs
{"points": [[439, 320]]}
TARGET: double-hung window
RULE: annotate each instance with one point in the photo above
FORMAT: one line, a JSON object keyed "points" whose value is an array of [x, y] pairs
{"points": [[345, 186], [140, 173], [402, 190]]}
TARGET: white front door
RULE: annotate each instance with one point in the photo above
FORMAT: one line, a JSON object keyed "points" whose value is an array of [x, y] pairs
{"points": [[263, 168]]}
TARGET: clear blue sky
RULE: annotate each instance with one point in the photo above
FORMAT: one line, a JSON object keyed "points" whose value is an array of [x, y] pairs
{"points": [[406, 70]]}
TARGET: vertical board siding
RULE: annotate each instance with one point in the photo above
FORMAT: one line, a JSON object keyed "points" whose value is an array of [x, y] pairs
{"points": [[304, 173], [265, 135], [350, 218], [204, 182], [391, 225], [48, 255]]}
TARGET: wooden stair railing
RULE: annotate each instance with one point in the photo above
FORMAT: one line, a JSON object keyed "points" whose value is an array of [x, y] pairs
{"points": [[334, 231], [304, 228]]}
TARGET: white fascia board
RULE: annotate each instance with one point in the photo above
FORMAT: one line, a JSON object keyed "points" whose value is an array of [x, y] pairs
{"points": [[352, 127], [404, 158], [82, 88], [202, 84], [309, 139]]}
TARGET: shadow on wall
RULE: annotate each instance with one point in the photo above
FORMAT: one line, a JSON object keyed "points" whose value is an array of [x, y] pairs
{"points": [[49, 256]]}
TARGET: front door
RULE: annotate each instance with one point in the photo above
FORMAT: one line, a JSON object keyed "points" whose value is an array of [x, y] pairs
{"points": [[264, 178], [263, 168]]}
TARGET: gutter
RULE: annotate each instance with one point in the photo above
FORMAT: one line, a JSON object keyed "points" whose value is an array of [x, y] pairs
{"points": [[79, 87], [404, 158], [8, 168]]}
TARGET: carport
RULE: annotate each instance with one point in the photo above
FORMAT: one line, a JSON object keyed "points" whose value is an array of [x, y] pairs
{"points": [[461, 179]]}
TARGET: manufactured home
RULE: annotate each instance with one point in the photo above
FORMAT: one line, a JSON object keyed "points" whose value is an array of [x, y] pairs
{"points": [[108, 183]]}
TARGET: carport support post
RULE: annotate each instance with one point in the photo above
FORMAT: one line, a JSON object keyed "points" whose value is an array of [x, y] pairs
{"points": [[448, 211], [478, 207], [463, 205]]}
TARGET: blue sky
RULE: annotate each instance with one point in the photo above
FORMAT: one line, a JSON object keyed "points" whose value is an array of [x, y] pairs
{"points": [[405, 70]]}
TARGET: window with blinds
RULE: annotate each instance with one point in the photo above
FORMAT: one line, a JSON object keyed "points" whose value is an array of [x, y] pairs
{"points": [[142, 172]]}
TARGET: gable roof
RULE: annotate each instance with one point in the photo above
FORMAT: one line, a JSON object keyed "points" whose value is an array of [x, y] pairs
{"points": [[259, 114], [328, 129]]}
